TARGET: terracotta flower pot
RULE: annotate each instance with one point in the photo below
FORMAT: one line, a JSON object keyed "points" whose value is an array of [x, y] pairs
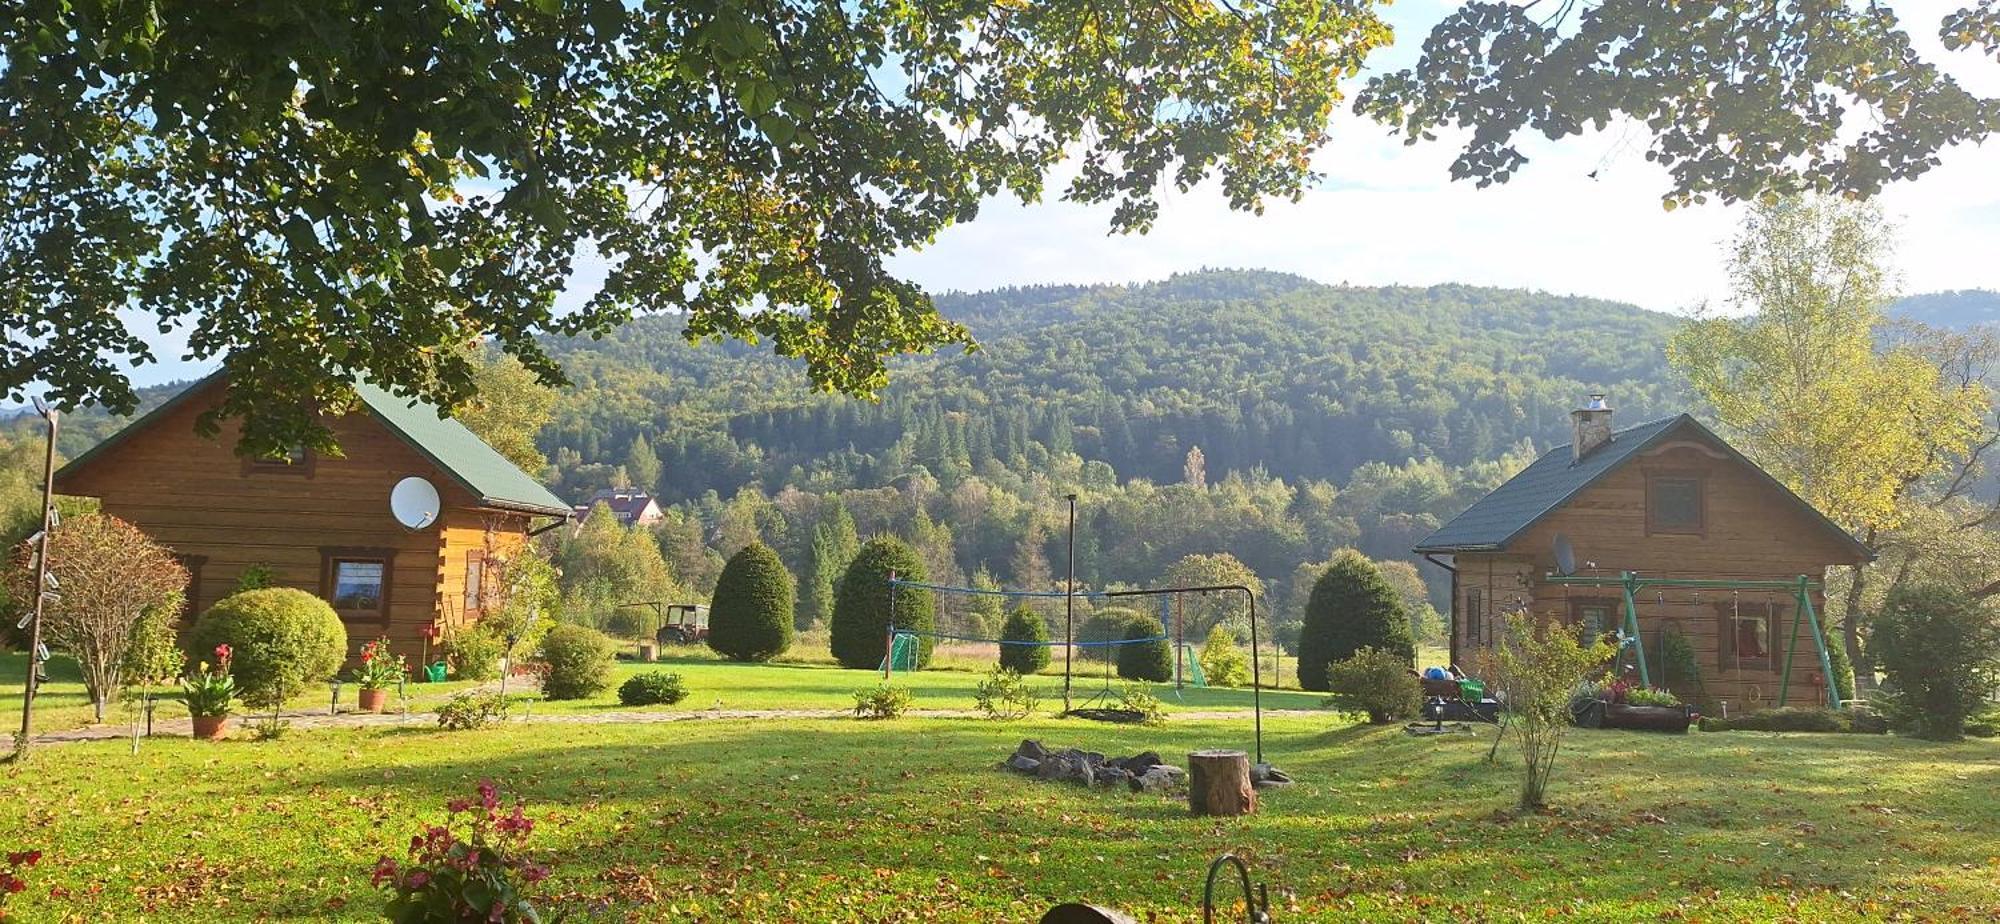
{"points": [[211, 727], [374, 700]]}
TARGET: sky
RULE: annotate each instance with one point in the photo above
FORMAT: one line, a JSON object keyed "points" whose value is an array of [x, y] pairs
{"points": [[1387, 213]]}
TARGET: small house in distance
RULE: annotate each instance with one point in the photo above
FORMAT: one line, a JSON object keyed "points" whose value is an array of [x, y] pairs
{"points": [[325, 524], [1667, 499], [631, 507]]}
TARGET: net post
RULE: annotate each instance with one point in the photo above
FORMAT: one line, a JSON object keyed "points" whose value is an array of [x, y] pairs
{"points": [[889, 635], [1256, 677], [1069, 605]]}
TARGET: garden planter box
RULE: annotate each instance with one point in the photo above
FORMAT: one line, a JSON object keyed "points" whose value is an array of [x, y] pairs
{"points": [[1648, 718]]}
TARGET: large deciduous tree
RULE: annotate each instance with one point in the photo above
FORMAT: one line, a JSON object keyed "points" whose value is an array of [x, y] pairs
{"points": [[1806, 383], [111, 579], [320, 191], [1741, 99]]}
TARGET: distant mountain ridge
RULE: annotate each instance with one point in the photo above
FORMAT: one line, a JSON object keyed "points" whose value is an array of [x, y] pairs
{"points": [[1956, 310]]}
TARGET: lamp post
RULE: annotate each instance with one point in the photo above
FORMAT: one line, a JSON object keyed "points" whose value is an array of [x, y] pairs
{"points": [[36, 655]]}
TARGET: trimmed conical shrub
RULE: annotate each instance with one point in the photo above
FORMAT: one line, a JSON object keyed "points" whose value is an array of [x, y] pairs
{"points": [[750, 616], [1151, 660], [861, 606], [1352, 607], [1024, 625]]}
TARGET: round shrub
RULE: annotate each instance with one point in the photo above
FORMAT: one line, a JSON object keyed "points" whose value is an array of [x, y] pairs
{"points": [[750, 616], [1105, 625], [1024, 625], [652, 688], [1378, 683], [281, 640], [1150, 660], [861, 605], [575, 662], [1352, 607], [474, 652], [1222, 663]]}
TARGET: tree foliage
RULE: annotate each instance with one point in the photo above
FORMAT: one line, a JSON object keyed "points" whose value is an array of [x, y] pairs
{"points": [[1378, 683], [323, 190], [607, 564], [750, 618], [1940, 648], [1801, 381], [1222, 663], [508, 408], [861, 612], [1201, 612], [1741, 100], [1352, 607], [112, 579]]}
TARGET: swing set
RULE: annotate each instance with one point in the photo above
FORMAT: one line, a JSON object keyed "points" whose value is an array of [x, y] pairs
{"points": [[1801, 589]]}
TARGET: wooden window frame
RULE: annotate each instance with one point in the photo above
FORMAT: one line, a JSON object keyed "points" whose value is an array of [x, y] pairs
{"points": [[304, 468], [1653, 525], [330, 558], [1614, 616], [193, 564], [1725, 636], [475, 591]]}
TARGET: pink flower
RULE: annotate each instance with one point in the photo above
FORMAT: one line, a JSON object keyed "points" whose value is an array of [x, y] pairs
{"points": [[417, 879], [12, 885], [24, 858], [489, 795]]}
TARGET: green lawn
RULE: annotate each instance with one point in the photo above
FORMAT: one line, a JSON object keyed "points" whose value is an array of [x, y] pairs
{"points": [[62, 703], [839, 820]]}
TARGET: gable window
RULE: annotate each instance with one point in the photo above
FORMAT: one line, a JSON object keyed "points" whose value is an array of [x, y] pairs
{"points": [[357, 581], [297, 460], [1747, 636], [475, 579], [1674, 504]]}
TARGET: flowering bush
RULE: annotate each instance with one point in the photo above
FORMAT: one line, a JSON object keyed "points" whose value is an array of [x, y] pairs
{"points": [[483, 876], [380, 669], [210, 691], [11, 882]]}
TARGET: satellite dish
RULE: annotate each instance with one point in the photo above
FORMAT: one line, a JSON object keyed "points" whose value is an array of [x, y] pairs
{"points": [[414, 502], [1565, 556]]}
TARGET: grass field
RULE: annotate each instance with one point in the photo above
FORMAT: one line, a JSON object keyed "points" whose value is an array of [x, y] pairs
{"points": [[838, 820], [62, 703]]}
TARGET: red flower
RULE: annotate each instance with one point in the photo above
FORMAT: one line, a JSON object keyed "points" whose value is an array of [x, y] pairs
{"points": [[385, 871], [24, 858], [222, 652], [12, 885]]}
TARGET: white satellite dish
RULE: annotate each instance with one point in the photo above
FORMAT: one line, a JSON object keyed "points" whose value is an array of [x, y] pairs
{"points": [[414, 502], [1565, 556]]}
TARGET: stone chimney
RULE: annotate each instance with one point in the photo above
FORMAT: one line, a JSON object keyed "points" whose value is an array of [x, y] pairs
{"points": [[1590, 427]]}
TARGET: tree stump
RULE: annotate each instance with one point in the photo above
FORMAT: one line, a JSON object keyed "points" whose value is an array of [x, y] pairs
{"points": [[1219, 783]]}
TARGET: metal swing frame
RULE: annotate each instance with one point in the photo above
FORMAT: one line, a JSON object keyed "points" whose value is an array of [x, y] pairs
{"points": [[1801, 588]]}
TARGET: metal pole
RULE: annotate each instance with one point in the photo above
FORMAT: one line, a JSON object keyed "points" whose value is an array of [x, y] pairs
{"points": [[1819, 639], [1632, 622], [889, 633], [1069, 604], [41, 584], [1256, 677]]}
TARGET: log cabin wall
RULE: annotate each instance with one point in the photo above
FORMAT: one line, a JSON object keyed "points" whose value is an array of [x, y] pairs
{"points": [[224, 515], [1742, 528]]}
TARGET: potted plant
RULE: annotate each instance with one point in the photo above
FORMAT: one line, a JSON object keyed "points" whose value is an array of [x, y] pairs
{"points": [[1631, 705], [209, 692], [379, 670]]}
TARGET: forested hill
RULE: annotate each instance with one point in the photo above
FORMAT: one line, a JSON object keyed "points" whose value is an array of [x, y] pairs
{"points": [[1958, 310], [1305, 380]]}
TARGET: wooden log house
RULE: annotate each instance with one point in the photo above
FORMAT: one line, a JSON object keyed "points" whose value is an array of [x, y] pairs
{"points": [[1663, 499], [323, 523]]}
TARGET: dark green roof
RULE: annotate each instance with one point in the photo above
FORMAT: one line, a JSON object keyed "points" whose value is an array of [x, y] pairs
{"points": [[478, 468], [1557, 476]]}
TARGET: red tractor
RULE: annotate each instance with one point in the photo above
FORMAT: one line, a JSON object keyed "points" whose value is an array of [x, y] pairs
{"points": [[683, 624]]}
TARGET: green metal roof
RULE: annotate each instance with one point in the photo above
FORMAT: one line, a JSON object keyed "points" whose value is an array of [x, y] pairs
{"points": [[1549, 483], [478, 468]]}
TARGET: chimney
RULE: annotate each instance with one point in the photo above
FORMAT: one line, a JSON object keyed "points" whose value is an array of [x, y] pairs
{"points": [[1590, 427]]}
